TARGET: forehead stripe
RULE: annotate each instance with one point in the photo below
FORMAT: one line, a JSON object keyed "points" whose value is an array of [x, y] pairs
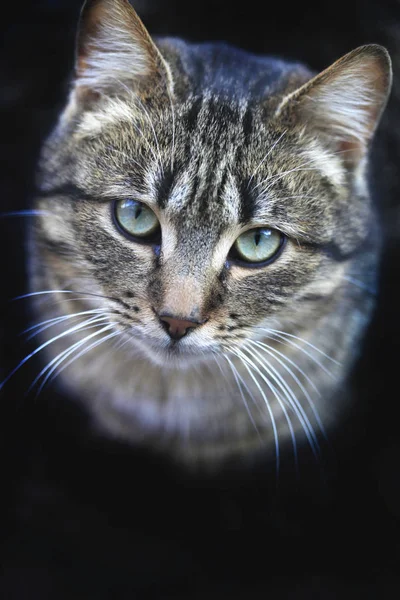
{"points": [[247, 124], [248, 202], [164, 188], [192, 115]]}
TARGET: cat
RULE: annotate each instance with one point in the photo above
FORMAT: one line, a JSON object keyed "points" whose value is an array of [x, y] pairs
{"points": [[205, 248]]}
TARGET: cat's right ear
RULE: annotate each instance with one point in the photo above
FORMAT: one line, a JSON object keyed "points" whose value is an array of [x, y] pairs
{"points": [[115, 54]]}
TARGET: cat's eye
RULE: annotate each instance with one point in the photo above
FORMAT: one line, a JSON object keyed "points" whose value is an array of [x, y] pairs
{"points": [[137, 219], [258, 246]]}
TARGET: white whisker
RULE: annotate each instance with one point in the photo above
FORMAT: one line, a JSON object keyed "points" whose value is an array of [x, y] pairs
{"points": [[273, 179], [281, 401], [153, 130], [273, 424], [291, 398], [47, 343], [74, 358], [65, 352], [291, 362], [173, 130], [125, 155], [283, 334], [239, 379], [137, 128], [25, 213], [49, 292], [40, 327], [265, 157], [360, 284], [272, 351]]}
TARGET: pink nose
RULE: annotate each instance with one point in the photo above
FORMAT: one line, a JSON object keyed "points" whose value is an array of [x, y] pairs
{"points": [[177, 328]]}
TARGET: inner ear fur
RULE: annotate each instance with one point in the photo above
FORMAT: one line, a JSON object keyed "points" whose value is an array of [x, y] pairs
{"points": [[343, 104]]}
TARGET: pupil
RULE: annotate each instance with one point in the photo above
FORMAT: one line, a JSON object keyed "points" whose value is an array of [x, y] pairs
{"points": [[138, 212], [257, 238]]}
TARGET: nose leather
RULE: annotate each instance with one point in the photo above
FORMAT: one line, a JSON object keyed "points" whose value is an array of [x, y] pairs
{"points": [[177, 328]]}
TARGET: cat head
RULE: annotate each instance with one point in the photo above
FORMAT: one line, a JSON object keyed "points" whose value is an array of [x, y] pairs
{"points": [[198, 195]]}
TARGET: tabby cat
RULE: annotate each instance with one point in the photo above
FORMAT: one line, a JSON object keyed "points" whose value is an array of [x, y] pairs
{"points": [[205, 247]]}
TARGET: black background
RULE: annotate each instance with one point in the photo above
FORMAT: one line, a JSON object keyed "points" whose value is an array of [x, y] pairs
{"points": [[87, 518]]}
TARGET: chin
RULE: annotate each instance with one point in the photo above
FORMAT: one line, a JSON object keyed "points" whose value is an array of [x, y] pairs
{"points": [[173, 354]]}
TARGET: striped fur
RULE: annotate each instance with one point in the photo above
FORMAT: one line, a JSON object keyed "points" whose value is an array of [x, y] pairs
{"points": [[216, 141]]}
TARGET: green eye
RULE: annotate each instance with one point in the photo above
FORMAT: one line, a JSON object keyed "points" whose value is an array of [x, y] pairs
{"points": [[136, 219], [258, 245]]}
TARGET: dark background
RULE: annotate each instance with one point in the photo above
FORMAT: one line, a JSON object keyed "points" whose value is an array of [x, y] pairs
{"points": [[86, 518]]}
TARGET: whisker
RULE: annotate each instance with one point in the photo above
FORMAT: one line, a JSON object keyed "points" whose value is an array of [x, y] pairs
{"points": [[125, 155], [45, 344], [361, 285], [292, 399], [298, 196], [153, 130], [238, 378], [273, 178], [173, 130], [271, 351], [271, 415], [265, 157], [157, 160], [64, 352], [25, 213], [137, 128], [71, 350], [281, 401], [81, 298], [122, 342], [281, 334], [291, 362], [40, 327], [44, 292]]}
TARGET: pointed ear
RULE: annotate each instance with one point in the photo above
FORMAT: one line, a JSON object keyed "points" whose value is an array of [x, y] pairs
{"points": [[344, 103], [114, 51]]}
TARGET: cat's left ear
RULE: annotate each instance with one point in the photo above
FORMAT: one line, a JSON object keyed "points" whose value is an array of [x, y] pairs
{"points": [[343, 104], [115, 54]]}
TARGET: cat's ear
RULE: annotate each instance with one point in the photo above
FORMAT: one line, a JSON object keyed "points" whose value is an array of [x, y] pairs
{"points": [[344, 103], [115, 53]]}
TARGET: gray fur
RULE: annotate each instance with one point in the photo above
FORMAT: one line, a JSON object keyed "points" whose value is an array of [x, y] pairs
{"points": [[191, 138]]}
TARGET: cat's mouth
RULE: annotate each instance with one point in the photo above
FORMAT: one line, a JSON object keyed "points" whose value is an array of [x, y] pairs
{"points": [[164, 351]]}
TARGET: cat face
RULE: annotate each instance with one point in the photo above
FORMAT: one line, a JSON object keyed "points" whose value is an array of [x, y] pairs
{"points": [[199, 198], [205, 190]]}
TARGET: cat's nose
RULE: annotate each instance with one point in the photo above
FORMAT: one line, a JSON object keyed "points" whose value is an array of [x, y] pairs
{"points": [[177, 328]]}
